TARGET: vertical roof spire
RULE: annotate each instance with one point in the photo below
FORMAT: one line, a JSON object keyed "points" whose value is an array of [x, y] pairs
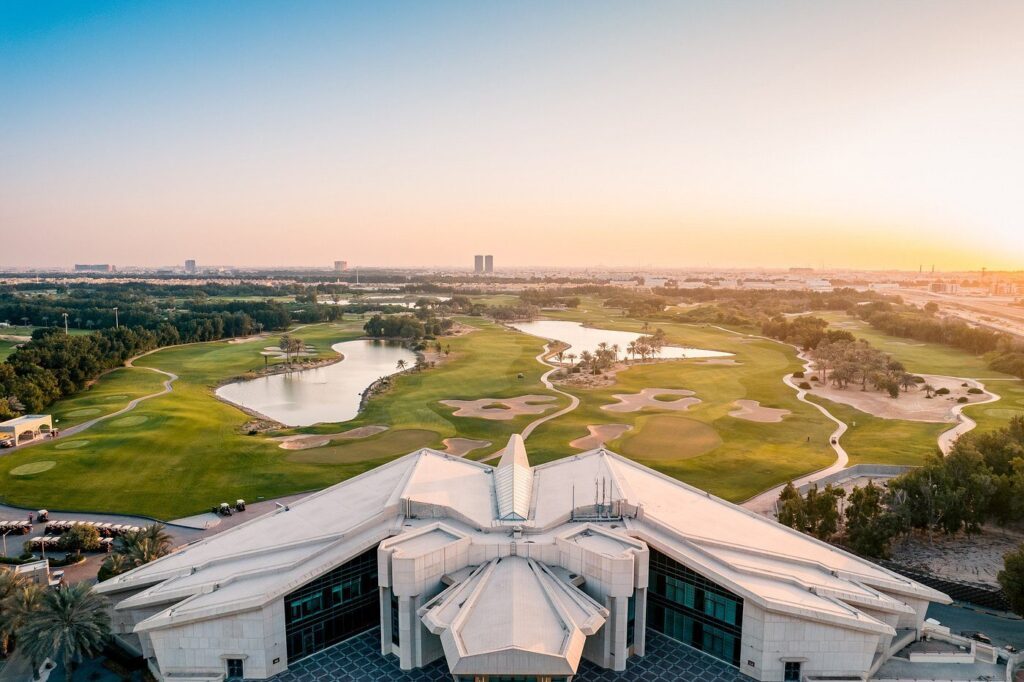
{"points": [[513, 481]]}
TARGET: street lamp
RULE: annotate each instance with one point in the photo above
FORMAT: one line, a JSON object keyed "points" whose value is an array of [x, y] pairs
{"points": [[65, 323], [117, 324]]}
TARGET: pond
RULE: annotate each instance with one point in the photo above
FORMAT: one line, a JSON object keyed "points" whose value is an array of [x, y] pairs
{"points": [[582, 338], [324, 394]]}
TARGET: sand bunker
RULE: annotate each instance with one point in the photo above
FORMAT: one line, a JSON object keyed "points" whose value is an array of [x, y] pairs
{"points": [[306, 441], [599, 435], [463, 446], [752, 411], [634, 402], [501, 408], [912, 405]]}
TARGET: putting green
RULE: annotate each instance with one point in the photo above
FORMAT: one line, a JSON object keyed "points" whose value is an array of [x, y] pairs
{"points": [[133, 420], [1004, 413], [386, 444], [111, 398], [84, 412], [665, 437], [71, 445], [33, 468]]}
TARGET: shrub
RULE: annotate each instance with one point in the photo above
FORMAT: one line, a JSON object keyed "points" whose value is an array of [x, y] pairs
{"points": [[798, 375], [962, 399], [918, 380], [80, 539], [804, 385], [975, 391], [942, 391]]}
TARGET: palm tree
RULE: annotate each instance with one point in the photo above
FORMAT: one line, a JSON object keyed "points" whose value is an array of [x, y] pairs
{"points": [[928, 390], [571, 357], [286, 346], [10, 583], [67, 623], [631, 349], [616, 349], [16, 606], [401, 365]]}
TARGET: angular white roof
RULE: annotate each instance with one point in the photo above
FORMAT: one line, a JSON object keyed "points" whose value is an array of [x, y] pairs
{"points": [[759, 559], [483, 623]]}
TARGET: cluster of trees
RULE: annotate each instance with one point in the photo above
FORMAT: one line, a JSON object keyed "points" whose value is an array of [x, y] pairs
{"points": [[548, 299], [981, 480], [406, 326], [136, 549], [805, 331], [844, 362], [66, 624], [54, 365], [1003, 352]]}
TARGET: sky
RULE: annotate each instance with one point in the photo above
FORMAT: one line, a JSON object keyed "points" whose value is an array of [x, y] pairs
{"points": [[858, 134]]}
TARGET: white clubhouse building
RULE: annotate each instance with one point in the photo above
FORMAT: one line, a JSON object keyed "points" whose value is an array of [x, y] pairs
{"points": [[515, 573]]}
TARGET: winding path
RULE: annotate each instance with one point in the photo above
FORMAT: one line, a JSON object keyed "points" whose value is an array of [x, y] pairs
{"points": [[132, 404]]}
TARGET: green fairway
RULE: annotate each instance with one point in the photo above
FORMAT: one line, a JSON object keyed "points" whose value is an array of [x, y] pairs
{"points": [[6, 348], [873, 440], [111, 393], [750, 457], [180, 453]]}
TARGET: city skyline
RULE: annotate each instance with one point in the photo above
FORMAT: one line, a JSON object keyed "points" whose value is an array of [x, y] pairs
{"points": [[860, 135]]}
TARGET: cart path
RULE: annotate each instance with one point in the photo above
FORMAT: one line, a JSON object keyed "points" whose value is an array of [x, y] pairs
{"points": [[545, 379]]}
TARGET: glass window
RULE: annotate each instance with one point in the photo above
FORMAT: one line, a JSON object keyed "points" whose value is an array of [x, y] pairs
{"points": [[688, 607], [333, 607], [792, 672], [394, 619]]}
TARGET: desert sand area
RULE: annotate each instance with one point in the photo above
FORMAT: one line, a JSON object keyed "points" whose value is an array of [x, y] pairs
{"points": [[912, 405], [460, 447], [970, 558], [634, 402], [753, 411], [501, 408], [599, 435], [316, 440]]}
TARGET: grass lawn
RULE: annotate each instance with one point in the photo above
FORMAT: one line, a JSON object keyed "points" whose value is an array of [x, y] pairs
{"points": [[181, 453], [873, 440], [111, 393], [6, 348], [750, 456]]}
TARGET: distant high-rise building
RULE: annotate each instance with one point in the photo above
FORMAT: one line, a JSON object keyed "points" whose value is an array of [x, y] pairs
{"points": [[340, 265], [101, 267], [488, 263], [478, 264], [190, 267]]}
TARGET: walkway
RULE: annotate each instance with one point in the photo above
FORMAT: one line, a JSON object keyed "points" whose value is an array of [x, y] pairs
{"points": [[359, 660]]}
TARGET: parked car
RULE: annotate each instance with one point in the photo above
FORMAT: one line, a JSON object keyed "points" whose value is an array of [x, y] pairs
{"points": [[6, 442]]}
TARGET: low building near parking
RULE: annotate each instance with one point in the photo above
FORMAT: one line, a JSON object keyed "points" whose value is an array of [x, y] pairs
{"points": [[26, 427], [516, 572]]}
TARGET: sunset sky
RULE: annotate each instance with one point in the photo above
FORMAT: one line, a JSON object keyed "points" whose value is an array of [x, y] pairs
{"points": [[849, 134]]}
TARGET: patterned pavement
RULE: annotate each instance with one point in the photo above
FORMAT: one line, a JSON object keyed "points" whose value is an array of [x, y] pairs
{"points": [[359, 660]]}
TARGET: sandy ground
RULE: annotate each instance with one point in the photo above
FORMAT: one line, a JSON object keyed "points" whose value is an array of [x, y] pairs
{"points": [[976, 559], [599, 435], [463, 446], [307, 441], [634, 402], [247, 339], [752, 411], [500, 408], [912, 405]]}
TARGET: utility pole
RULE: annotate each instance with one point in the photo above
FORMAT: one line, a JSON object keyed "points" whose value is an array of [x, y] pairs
{"points": [[117, 325], [65, 323]]}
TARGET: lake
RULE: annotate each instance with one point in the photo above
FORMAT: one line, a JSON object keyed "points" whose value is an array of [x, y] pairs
{"points": [[582, 338], [325, 394]]}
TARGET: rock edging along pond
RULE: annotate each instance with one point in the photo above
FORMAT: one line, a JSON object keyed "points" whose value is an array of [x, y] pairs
{"points": [[326, 394]]}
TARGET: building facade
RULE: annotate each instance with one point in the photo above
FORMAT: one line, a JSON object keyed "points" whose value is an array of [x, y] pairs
{"points": [[515, 572]]}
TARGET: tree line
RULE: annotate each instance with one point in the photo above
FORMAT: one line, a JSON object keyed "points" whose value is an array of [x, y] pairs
{"points": [[981, 480]]}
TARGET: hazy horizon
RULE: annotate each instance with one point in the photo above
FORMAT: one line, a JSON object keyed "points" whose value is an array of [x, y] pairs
{"points": [[851, 135]]}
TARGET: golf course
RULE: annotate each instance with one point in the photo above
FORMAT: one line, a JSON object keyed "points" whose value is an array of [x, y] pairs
{"points": [[727, 425]]}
